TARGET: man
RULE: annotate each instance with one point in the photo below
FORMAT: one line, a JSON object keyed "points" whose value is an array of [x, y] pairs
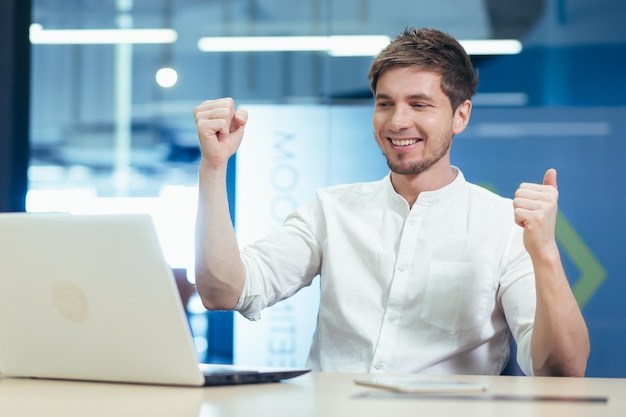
{"points": [[420, 271]]}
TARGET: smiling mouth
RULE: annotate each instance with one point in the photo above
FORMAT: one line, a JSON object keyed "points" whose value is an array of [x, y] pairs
{"points": [[403, 142]]}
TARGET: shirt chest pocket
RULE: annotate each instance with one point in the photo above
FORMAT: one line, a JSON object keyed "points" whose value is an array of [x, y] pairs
{"points": [[457, 295]]}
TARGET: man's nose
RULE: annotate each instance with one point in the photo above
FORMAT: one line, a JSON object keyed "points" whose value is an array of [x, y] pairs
{"points": [[400, 119]]}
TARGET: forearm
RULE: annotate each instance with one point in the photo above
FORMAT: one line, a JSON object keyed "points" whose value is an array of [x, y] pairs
{"points": [[220, 274], [560, 341]]}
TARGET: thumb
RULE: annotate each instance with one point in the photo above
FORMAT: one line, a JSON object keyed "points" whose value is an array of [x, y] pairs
{"points": [[241, 117], [549, 178]]}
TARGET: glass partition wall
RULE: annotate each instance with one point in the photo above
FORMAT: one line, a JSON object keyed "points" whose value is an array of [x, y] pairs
{"points": [[114, 86]]}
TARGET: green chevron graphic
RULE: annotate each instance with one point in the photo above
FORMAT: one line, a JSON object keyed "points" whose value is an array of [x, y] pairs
{"points": [[592, 274]]}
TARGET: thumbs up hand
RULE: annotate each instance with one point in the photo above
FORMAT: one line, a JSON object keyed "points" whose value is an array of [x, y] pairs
{"points": [[535, 207]]}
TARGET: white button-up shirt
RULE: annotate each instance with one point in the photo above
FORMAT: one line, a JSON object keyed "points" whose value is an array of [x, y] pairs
{"points": [[436, 288]]}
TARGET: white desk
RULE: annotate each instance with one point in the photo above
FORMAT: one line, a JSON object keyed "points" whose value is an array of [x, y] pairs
{"points": [[318, 394]]}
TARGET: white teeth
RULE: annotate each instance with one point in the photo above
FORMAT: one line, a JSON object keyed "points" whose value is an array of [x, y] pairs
{"points": [[403, 142]]}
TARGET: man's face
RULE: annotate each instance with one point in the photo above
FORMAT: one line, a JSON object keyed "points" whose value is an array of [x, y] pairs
{"points": [[413, 120]]}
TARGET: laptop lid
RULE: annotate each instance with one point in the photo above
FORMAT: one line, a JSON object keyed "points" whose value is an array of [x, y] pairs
{"points": [[91, 297]]}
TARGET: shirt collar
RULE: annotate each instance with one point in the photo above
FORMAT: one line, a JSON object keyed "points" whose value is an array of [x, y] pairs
{"points": [[429, 197]]}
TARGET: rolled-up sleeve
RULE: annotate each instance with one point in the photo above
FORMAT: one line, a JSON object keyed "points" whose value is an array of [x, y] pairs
{"points": [[279, 265]]}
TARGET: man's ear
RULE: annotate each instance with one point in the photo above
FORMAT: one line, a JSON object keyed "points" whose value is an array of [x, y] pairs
{"points": [[461, 117]]}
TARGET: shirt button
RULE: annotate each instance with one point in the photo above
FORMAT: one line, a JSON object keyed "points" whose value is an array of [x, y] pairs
{"points": [[379, 365], [391, 318], [401, 268], [412, 222]]}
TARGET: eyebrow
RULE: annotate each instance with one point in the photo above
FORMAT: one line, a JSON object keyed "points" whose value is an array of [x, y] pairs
{"points": [[409, 97]]}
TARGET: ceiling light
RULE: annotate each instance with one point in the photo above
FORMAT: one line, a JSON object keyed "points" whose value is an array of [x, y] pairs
{"points": [[357, 45], [365, 45], [38, 35], [166, 77], [492, 46]]}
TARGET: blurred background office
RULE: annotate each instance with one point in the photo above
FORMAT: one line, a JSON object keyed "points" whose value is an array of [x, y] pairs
{"points": [[97, 117]]}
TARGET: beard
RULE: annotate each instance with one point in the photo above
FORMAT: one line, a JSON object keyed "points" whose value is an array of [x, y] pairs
{"points": [[414, 167]]}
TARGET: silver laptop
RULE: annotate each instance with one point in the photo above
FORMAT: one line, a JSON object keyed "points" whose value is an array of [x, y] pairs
{"points": [[91, 297]]}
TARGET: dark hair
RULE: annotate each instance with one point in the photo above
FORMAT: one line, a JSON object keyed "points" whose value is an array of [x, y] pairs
{"points": [[430, 50]]}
